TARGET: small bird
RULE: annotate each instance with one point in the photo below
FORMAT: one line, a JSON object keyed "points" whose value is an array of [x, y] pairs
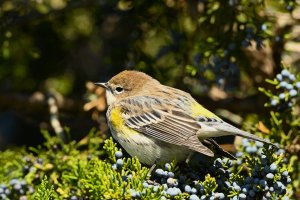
{"points": [[157, 123]]}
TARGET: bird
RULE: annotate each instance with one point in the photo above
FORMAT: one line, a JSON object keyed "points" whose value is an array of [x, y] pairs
{"points": [[158, 123]]}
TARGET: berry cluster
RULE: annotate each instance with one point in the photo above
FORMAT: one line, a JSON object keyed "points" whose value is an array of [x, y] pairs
{"points": [[289, 87], [4, 191], [250, 35], [264, 177], [268, 177], [16, 189]]}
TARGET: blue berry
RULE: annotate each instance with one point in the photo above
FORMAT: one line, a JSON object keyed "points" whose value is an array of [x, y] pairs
{"points": [[73, 197], [159, 172], [120, 163], [235, 198], [280, 151], [245, 142], [194, 190], [138, 194], [263, 183], [167, 166], [264, 159], [281, 96], [266, 188], [289, 8], [288, 180], [145, 185], [119, 154], [252, 193], [13, 181], [257, 169], [165, 174], [173, 191], [279, 77], [239, 154], [298, 85], [17, 186], [187, 189], [268, 195], [259, 144], [155, 188], [220, 195], [273, 167], [283, 84], [278, 38], [195, 197], [278, 185], [170, 174], [248, 179], [285, 72], [285, 198], [263, 27], [7, 191], [292, 77], [237, 188], [271, 189], [242, 196], [267, 169], [133, 193], [227, 183], [285, 173], [114, 166], [293, 92], [289, 86], [270, 176], [251, 149], [124, 178]]}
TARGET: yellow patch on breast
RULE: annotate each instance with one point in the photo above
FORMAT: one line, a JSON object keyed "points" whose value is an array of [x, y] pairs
{"points": [[118, 123], [198, 110]]}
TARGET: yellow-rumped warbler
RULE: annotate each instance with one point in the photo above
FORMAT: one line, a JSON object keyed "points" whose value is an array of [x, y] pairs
{"points": [[158, 124]]}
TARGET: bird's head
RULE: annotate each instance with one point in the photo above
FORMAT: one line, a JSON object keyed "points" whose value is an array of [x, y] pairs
{"points": [[126, 84]]}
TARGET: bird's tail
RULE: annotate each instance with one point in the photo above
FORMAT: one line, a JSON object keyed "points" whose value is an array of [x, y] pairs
{"points": [[231, 130], [253, 137]]}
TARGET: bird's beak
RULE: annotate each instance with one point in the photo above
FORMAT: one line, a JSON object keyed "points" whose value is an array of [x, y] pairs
{"points": [[104, 85]]}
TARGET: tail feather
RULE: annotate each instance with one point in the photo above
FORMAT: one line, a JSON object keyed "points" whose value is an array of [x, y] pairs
{"points": [[253, 137], [231, 130]]}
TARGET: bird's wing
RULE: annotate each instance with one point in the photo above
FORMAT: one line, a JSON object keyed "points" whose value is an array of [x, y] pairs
{"points": [[215, 127], [159, 119]]}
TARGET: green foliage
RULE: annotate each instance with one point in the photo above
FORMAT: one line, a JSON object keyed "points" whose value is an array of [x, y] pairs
{"points": [[45, 191], [74, 174], [11, 164]]}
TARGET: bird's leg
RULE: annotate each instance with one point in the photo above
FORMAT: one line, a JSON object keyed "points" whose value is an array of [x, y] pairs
{"points": [[189, 158], [151, 169]]}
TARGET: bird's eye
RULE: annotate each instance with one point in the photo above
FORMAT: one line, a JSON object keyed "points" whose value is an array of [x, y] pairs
{"points": [[119, 89]]}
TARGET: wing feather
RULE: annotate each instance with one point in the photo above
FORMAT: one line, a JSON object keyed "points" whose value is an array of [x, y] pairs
{"points": [[169, 124]]}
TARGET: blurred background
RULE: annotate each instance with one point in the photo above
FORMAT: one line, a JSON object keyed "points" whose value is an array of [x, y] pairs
{"points": [[221, 51]]}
